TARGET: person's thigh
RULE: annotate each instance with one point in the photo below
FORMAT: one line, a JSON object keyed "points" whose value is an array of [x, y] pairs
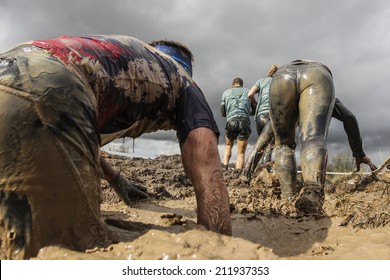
{"points": [[229, 142], [49, 162], [261, 120], [316, 102], [284, 109]]}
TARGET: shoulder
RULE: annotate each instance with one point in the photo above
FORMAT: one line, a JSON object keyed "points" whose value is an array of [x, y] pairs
{"points": [[258, 82], [226, 92], [245, 90]]}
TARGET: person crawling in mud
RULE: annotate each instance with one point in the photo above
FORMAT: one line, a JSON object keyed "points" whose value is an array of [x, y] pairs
{"points": [[341, 113], [61, 99], [302, 93]]}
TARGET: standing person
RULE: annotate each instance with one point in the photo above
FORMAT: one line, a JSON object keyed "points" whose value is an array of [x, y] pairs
{"points": [[302, 92], [61, 99], [263, 126], [236, 107]]}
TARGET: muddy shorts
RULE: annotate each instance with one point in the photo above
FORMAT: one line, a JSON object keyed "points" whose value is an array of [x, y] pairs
{"points": [[49, 172], [238, 128]]}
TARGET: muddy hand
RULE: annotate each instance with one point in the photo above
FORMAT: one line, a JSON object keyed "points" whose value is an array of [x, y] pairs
{"points": [[128, 189], [365, 160]]}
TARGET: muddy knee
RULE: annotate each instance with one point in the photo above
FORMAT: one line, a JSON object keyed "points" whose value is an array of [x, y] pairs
{"points": [[314, 156], [285, 170], [15, 225]]}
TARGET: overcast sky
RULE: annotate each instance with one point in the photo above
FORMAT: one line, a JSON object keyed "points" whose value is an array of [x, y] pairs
{"points": [[241, 39]]}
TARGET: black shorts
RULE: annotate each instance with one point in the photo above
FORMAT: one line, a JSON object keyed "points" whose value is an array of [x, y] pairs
{"points": [[238, 128]]}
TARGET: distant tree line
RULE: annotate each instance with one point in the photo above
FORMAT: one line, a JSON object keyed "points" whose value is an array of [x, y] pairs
{"points": [[341, 162]]}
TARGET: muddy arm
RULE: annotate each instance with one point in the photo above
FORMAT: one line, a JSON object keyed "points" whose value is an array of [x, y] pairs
{"points": [[125, 189], [202, 164]]}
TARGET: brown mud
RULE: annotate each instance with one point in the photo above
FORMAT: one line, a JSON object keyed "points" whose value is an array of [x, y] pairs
{"points": [[355, 223]]}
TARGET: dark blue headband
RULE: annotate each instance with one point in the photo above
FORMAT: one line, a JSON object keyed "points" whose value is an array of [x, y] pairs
{"points": [[177, 55]]}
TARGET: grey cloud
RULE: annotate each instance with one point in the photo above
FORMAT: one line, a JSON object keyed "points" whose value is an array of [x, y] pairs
{"points": [[241, 38]]}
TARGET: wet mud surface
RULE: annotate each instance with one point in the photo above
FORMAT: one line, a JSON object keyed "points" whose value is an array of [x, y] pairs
{"points": [[355, 223]]}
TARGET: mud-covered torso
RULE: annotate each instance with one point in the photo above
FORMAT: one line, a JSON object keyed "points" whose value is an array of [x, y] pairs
{"points": [[136, 86]]}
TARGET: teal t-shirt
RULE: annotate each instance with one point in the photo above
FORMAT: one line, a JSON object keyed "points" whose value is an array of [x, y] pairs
{"points": [[236, 102], [263, 101]]}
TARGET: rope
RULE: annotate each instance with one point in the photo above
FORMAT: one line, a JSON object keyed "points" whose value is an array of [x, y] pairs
{"points": [[386, 163]]}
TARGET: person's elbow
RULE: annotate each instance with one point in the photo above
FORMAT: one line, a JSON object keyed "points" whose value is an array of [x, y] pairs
{"points": [[252, 92]]}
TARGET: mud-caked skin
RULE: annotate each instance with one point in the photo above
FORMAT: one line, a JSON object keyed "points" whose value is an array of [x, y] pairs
{"points": [[302, 93], [261, 151], [60, 100], [262, 122], [15, 225], [341, 113]]}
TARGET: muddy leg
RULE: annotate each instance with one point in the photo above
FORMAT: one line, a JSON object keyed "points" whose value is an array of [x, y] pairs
{"points": [[313, 160], [285, 170], [228, 152], [241, 148], [50, 185], [15, 226], [262, 144]]}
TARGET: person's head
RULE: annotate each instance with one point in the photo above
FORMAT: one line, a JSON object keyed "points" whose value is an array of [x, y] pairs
{"points": [[237, 82], [272, 70], [179, 52]]}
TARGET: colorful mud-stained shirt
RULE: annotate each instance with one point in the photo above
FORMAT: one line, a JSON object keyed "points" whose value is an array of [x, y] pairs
{"points": [[136, 88], [60, 100], [263, 85], [236, 103]]}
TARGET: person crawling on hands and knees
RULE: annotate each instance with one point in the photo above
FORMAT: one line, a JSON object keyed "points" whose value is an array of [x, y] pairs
{"points": [[62, 99]]}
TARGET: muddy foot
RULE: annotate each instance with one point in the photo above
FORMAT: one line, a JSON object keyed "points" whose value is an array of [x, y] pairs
{"points": [[310, 200]]}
